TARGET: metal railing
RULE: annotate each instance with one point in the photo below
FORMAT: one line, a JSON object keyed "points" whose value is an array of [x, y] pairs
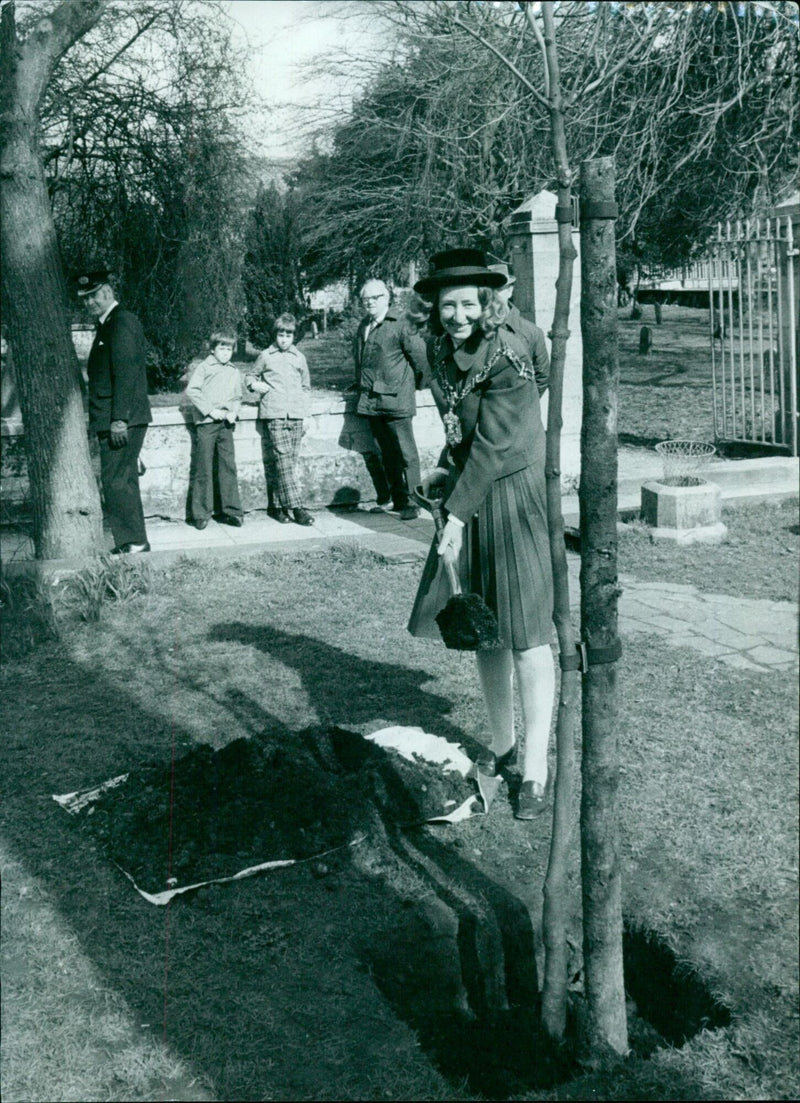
{"points": [[697, 272], [753, 299]]}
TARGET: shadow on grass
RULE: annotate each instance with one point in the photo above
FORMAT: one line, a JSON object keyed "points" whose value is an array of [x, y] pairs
{"points": [[272, 986], [346, 689], [257, 984], [307, 982]]}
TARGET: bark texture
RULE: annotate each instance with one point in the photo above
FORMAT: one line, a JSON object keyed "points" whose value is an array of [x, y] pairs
{"points": [[555, 913], [65, 499], [604, 1035]]}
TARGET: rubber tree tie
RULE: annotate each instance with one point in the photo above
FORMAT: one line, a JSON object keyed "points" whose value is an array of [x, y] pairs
{"points": [[564, 212], [594, 211], [586, 656]]}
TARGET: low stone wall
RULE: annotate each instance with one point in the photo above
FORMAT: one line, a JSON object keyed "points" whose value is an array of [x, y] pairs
{"points": [[332, 467]]}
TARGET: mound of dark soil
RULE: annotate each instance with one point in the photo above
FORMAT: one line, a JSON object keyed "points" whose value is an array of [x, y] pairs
{"points": [[468, 624], [211, 813]]}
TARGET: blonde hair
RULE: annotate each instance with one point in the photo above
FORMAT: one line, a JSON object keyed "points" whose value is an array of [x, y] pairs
{"points": [[422, 312]]}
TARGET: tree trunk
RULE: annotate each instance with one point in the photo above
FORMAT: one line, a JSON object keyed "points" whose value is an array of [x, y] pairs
{"points": [[66, 504], [556, 910], [604, 1034]]}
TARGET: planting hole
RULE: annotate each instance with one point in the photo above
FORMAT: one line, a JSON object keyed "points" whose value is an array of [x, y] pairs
{"points": [[668, 995]]}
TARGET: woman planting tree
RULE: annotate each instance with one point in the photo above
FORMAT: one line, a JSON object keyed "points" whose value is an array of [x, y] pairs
{"points": [[491, 478]]}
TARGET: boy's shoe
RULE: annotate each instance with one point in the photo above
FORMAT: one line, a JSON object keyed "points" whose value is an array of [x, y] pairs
{"points": [[381, 507], [279, 515], [302, 517], [409, 513], [200, 524], [229, 519]]}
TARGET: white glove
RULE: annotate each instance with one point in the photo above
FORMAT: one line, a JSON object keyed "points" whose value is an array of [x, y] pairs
{"points": [[450, 541]]}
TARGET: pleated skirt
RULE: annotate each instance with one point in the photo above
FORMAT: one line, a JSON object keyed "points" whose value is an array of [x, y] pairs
{"points": [[505, 557]]}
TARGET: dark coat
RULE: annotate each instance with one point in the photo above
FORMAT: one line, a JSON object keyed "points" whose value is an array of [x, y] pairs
{"points": [[532, 343], [389, 366], [501, 423], [117, 373]]}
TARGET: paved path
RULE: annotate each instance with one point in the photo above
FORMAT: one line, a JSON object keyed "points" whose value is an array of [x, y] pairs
{"points": [[748, 633], [741, 632]]}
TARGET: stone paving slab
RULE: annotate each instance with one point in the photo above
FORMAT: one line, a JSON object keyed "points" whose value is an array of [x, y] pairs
{"points": [[747, 633]]}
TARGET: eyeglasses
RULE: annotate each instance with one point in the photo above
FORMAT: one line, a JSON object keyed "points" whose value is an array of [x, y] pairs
{"points": [[372, 298]]}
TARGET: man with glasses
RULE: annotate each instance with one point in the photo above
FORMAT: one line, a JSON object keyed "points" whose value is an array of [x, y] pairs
{"points": [[390, 363]]}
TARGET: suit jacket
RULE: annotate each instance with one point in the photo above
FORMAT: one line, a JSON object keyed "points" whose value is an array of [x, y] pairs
{"points": [[531, 341], [501, 424], [117, 373], [389, 366]]}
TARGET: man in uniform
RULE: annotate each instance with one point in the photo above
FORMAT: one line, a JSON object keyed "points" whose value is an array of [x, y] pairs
{"points": [[119, 409]]}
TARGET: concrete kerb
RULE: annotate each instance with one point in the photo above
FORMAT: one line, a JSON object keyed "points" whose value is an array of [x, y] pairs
{"points": [[741, 481], [254, 540], [766, 479]]}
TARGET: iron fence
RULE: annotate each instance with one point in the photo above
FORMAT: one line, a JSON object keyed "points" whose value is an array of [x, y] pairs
{"points": [[753, 298]]}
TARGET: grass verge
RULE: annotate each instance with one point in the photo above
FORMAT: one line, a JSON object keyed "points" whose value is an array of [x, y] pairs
{"points": [[758, 560]]}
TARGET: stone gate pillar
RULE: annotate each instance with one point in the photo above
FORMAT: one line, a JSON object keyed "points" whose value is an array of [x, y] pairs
{"points": [[533, 246]]}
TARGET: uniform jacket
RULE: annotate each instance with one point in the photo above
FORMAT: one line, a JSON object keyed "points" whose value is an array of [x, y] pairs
{"points": [[501, 423], [117, 373], [214, 386], [533, 345], [286, 375], [389, 366]]}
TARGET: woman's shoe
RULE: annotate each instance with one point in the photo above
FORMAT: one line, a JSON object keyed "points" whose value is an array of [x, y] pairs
{"points": [[507, 760], [486, 762], [491, 764], [532, 800]]}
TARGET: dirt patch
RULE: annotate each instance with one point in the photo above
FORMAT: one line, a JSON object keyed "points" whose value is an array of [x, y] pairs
{"points": [[210, 814]]}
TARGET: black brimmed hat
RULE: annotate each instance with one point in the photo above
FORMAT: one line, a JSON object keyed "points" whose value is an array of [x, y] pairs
{"points": [[88, 282], [458, 268]]}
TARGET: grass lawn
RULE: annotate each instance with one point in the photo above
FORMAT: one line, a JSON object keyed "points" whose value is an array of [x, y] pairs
{"points": [[759, 558], [356, 978], [667, 394]]}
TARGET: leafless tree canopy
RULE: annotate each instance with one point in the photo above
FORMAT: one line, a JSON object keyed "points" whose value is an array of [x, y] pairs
{"points": [[696, 103], [142, 140]]}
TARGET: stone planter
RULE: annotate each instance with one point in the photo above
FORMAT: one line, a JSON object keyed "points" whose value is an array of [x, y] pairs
{"points": [[687, 510]]}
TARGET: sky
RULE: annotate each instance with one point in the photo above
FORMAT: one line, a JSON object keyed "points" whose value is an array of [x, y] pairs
{"points": [[287, 35]]}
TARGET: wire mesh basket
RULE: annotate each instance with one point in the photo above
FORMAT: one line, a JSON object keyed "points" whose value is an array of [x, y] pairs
{"points": [[683, 459]]}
